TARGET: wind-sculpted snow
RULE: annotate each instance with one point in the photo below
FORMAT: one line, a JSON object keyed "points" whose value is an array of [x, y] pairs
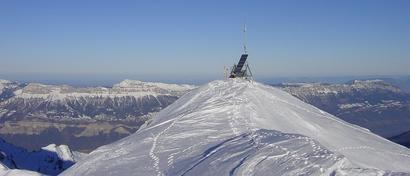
{"points": [[236, 127], [5, 171], [50, 160]]}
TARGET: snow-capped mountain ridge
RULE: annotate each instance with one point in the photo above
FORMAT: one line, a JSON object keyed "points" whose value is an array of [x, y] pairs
{"points": [[355, 85], [236, 127], [152, 86], [68, 101], [73, 115], [125, 88]]}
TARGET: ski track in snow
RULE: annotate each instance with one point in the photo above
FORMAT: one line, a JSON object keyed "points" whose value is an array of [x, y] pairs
{"points": [[152, 153], [236, 102], [155, 158], [170, 158]]}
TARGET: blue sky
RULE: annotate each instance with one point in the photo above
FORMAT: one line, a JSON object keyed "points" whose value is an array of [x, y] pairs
{"points": [[196, 39]]}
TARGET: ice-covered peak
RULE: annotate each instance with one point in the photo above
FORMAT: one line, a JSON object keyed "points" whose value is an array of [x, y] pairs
{"points": [[236, 127]]}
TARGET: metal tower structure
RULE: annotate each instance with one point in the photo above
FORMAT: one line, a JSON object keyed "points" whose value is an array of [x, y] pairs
{"points": [[242, 69]]}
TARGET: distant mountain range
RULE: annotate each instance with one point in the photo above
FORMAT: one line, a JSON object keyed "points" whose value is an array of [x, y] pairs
{"points": [[402, 82], [374, 104], [83, 118], [34, 115]]}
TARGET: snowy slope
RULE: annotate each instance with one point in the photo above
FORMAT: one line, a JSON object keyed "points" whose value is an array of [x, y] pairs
{"points": [[236, 127], [4, 171], [50, 160], [368, 103]]}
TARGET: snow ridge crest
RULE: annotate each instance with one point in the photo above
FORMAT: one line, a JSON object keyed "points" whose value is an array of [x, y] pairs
{"points": [[237, 127]]}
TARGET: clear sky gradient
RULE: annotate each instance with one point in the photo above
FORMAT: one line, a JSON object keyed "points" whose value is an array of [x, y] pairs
{"points": [[196, 39]]}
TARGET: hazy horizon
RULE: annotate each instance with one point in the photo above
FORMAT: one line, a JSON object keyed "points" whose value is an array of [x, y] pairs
{"points": [[182, 40], [109, 80]]}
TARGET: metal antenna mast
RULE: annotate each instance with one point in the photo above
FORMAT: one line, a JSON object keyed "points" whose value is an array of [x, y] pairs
{"points": [[245, 49], [242, 69]]}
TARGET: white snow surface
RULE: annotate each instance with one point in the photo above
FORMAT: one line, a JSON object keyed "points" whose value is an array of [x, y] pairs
{"points": [[236, 127], [4, 171], [13, 159], [63, 151]]}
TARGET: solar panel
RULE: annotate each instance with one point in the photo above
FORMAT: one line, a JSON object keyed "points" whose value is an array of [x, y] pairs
{"points": [[241, 63]]}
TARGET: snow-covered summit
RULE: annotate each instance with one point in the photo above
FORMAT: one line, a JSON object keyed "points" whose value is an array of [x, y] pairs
{"points": [[237, 127]]}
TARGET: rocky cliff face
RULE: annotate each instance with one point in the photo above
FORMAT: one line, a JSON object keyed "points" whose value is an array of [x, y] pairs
{"points": [[69, 115], [128, 100]]}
